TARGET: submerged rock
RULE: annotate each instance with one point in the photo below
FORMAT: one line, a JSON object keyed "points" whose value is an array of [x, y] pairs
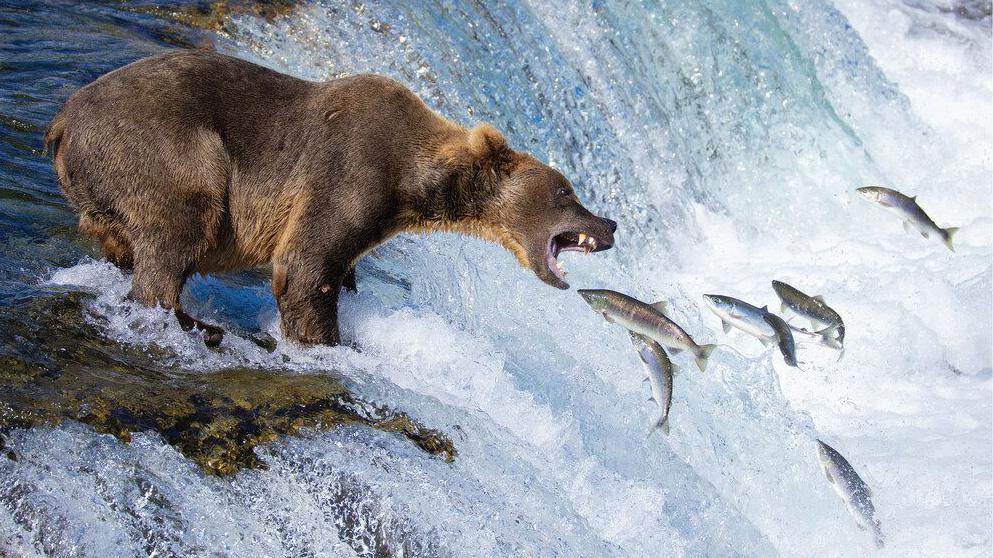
{"points": [[56, 367]]}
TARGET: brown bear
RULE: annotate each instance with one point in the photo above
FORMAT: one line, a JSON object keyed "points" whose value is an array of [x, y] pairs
{"points": [[196, 162]]}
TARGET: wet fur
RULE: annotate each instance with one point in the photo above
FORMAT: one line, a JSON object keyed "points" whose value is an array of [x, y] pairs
{"points": [[197, 162]]}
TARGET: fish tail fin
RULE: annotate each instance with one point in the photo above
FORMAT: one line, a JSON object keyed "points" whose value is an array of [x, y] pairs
{"points": [[829, 336], [948, 234], [664, 425], [703, 355], [877, 532]]}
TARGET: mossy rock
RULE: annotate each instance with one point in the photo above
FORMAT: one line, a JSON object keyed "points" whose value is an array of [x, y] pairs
{"points": [[57, 367]]}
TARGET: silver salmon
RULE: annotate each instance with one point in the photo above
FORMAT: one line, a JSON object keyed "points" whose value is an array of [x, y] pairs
{"points": [[852, 489], [759, 322], [646, 319], [814, 309], [658, 374], [784, 337], [908, 210], [741, 315]]}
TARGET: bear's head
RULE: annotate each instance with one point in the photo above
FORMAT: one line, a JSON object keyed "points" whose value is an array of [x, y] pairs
{"points": [[528, 207]]}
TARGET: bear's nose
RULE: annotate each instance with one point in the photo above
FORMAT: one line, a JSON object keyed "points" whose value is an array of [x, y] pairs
{"points": [[610, 223]]}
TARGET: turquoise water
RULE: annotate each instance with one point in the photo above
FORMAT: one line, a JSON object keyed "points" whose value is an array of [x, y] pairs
{"points": [[726, 138]]}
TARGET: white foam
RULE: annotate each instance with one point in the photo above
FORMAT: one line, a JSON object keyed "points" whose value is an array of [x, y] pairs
{"points": [[729, 153]]}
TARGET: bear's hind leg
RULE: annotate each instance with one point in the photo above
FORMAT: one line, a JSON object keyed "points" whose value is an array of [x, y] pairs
{"points": [[159, 281], [163, 261], [112, 237], [118, 251]]}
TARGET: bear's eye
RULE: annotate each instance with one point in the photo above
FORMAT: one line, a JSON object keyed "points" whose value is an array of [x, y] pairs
{"points": [[562, 192]]}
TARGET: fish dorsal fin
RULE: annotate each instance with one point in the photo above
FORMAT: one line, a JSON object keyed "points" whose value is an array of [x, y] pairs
{"points": [[818, 298], [913, 198], [660, 306], [765, 308]]}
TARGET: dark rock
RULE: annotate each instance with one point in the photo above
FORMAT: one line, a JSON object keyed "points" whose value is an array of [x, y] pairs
{"points": [[58, 367]]}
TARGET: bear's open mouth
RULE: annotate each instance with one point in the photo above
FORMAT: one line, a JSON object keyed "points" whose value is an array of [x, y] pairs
{"points": [[571, 241]]}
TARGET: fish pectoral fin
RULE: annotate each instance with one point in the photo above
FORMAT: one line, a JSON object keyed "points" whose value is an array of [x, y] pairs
{"points": [[660, 306], [907, 226], [675, 350], [925, 234], [608, 318], [652, 399], [664, 425], [726, 326], [766, 341], [782, 308], [830, 478], [645, 379]]}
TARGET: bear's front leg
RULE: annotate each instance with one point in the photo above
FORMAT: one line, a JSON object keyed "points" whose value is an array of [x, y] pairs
{"points": [[307, 297]]}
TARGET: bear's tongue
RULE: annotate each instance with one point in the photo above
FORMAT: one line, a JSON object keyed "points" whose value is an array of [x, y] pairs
{"points": [[554, 265], [565, 242]]}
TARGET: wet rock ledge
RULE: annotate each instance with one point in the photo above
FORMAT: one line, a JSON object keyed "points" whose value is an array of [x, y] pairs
{"points": [[56, 367]]}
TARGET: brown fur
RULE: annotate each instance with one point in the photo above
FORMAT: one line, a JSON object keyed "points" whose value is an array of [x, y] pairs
{"points": [[197, 162]]}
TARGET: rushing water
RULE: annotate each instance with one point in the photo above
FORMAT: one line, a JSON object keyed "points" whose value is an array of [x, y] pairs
{"points": [[726, 137]]}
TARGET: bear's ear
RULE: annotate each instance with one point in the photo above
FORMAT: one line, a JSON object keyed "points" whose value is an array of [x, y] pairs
{"points": [[488, 147]]}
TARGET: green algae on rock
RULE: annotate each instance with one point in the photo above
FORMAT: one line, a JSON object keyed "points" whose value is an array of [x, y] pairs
{"points": [[57, 367]]}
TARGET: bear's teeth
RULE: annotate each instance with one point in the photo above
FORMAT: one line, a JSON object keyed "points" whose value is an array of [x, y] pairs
{"points": [[582, 238]]}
